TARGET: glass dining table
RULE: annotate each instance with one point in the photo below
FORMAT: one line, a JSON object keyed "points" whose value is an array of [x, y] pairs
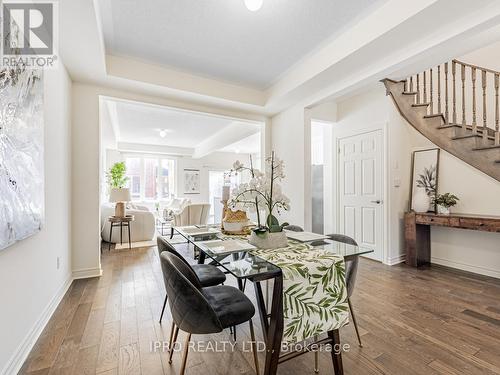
{"points": [[246, 266]]}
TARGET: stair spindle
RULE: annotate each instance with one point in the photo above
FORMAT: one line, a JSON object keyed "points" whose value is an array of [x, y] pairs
{"points": [[463, 97], [418, 88], [474, 122], [446, 114], [425, 86], [411, 84], [439, 88], [485, 125], [497, 128], [454, 104], [431, 94]]}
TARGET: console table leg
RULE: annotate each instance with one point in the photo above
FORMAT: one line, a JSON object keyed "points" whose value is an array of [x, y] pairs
{"points": [[418, 242]]}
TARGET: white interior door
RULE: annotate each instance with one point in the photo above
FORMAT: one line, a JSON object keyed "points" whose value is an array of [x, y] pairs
{"points": [[360, 190]]}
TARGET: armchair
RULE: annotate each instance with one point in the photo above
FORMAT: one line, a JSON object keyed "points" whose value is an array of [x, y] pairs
{"points": [[192, 214]]}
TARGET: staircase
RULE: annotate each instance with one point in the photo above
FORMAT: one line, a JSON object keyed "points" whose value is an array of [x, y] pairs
{"points": [[456, 106]]}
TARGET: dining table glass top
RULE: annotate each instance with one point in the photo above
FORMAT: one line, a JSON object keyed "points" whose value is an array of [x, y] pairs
{"points": [[245, 264]]}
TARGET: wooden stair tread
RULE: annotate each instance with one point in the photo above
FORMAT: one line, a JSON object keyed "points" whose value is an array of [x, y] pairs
{"points": [[410, 92], [420, 105], [479, 128], [492, 147], [434, 115], [466, 136]]}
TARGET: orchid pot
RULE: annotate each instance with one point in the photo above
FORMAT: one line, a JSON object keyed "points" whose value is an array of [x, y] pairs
{"points": [[268, 240]]}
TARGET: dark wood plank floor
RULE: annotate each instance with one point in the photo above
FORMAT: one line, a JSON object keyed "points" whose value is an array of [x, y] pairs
{"points": [[433, 321]]}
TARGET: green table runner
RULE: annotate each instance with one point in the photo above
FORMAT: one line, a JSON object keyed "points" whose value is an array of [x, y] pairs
{"points": [[314, 290]]}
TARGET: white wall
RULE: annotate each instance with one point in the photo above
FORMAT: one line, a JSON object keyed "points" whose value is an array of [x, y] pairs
{"points": [[30, 283], [287, 135]]}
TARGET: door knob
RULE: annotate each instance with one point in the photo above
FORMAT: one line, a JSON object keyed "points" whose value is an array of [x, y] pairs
{"points": [[378, 201]]}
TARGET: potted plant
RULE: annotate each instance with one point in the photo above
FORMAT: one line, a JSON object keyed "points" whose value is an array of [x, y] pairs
{"points": [[118, 193], [444, 202], [263, 192]]}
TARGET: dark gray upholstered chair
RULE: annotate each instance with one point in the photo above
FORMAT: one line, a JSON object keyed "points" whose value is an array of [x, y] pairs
{"points": [[351, 269], [294, 228], [207, 275], [199, 310]]}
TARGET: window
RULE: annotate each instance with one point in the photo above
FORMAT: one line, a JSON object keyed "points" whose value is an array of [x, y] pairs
{"points": [[150, 177], [134, 175]]}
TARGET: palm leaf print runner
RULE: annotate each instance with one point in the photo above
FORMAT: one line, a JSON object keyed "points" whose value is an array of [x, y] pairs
{"points": [[314, 290]]}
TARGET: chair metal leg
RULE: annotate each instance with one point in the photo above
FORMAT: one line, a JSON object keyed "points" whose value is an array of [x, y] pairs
{"points": [[354, 321], [185, 354], [163, 309], [171, 338], [174, 340], [254, 347], [316, 358]]}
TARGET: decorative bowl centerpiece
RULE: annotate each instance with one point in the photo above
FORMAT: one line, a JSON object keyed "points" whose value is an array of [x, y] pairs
{"points": [[235, 222], [263, 192]]}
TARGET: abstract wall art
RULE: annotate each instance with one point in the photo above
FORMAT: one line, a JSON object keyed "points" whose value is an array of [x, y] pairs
{"points": [[191, 181], [424, 178], [21, 154]]}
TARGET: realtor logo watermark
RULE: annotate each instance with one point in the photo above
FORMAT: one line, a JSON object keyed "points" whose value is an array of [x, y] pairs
{"points": [[29, 34]]}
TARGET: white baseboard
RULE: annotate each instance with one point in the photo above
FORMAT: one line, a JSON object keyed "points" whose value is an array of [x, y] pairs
{"points": [[467, 267], [85, 273], [396, 260], [17, 360]]}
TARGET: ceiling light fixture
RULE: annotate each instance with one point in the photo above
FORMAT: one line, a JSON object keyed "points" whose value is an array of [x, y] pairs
{"points": [[163, 133], [253, 5]]}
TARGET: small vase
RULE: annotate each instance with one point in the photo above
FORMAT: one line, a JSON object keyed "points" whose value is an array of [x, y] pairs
{"points": [[421, 201], [442, 210], [268, 240]]}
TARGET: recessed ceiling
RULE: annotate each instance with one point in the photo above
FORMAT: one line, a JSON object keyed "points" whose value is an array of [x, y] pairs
{"points": [[222, 39], [141, 124]]}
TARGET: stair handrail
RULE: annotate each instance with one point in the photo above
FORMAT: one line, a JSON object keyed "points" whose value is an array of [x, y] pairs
{"points": [[470, 82], [476, 66]]}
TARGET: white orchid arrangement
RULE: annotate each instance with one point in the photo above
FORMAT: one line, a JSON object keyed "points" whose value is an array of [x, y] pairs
{"points": [[262, 192]]}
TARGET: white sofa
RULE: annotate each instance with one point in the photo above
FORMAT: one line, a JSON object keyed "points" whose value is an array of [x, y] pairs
{"points": [[192, 214], [141, 229]]}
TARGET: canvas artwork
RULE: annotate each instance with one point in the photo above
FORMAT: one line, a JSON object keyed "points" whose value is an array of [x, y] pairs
{"points": [[191, 181], [21, 155], [425, 175]]}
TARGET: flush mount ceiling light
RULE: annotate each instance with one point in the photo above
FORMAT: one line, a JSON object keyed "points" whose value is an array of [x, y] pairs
{"points": [[163, 132], [253, 5]]}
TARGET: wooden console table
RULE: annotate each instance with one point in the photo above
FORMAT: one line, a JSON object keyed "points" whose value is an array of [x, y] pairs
{"points": [[418, 231]]}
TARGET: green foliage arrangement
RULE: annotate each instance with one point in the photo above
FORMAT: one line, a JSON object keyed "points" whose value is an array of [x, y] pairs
{"points": [[116, 176], [446, 200]]}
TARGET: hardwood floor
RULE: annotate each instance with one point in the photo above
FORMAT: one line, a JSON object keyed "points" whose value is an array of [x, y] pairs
{"points": [[432, 321]]}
